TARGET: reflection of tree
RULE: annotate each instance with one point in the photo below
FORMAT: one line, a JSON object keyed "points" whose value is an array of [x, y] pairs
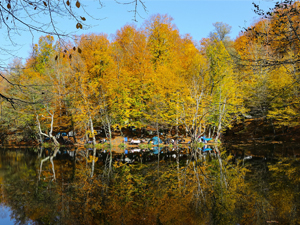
{"points": [[200, 190], [93, 161], [3, 211], [27, 199], [51, 160], [284, 190], [44, 201]]}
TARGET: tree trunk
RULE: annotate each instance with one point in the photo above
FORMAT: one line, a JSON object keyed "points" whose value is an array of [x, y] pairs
{"points": [[51, 129], [93, 162], [92, 130], [222, 111], [51, 160]]}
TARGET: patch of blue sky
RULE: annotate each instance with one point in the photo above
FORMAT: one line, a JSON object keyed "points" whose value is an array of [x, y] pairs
{"points": [[193, 17]]}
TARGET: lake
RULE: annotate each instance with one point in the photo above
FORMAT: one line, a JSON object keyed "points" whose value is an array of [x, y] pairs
{"points": [[233, 184]]}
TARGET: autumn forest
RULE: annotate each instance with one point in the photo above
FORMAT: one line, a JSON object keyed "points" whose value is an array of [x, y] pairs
{"points": [[154, 76], [241, 95]]}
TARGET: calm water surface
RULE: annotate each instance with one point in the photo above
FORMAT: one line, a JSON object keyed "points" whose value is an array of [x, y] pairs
{"points": [[235, 184]]}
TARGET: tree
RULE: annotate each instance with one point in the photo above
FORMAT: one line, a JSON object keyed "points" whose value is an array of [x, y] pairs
{"points": [[225, 93], [164, 43], [269, 53], [194, 103], [129, 89], [93, 70], [220, 32], [41, 16]]}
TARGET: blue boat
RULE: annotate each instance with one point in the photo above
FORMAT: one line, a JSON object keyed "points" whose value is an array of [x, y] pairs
{"points": [[204, 139], [206, 149]]}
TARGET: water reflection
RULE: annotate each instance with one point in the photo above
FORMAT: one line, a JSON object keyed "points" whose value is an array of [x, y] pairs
{"points": [[5, 216], [207, 185], [50, 158]]}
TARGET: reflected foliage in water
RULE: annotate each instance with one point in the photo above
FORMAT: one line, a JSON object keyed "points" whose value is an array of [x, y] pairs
{"points": [[153, 187]]}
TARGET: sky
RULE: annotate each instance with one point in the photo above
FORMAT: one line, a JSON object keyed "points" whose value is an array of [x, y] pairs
{"points": [[194, 17], [5, 217]]}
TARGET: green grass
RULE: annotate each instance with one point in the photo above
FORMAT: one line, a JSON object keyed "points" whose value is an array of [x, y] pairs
{"points": [[99, 145], [104, 145], [122, 145], [88, 145], [144, 146], [197, 144], [107, 145], [48, 145]]}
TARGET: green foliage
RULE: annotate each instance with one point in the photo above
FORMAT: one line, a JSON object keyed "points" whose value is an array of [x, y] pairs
{"points": [[145, 146], [197, 144], [122, 145], [102, 146], [48, 145], [151, 76], [211, 190]]}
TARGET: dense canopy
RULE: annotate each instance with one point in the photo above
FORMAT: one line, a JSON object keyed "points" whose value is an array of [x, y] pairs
{"points": [[156, 76]]}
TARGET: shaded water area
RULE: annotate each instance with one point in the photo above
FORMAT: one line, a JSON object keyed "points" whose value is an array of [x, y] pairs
{"points": [[235, 184]]}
